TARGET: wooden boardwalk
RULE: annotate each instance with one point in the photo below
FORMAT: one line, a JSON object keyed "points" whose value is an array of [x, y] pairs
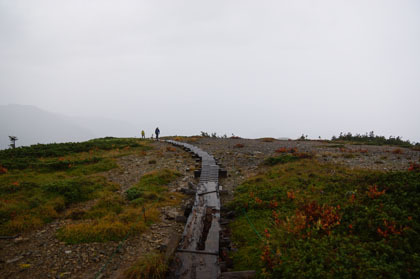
{"points": [[197, 255]]}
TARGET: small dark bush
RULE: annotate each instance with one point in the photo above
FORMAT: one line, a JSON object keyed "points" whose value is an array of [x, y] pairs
{"points": [[72, 190], [282, 159], [133, 193], [77, 214]]}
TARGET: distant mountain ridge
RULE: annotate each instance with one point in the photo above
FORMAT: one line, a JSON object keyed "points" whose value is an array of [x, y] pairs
{"points": [[32, 125]]}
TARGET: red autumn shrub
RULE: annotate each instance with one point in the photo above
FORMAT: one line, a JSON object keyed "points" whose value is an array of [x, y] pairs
{"points": [[414, 167], [324, 216], [170, 149], [397, 151], [285, 150], [388, 228], [281, 150], [373, 192], [2, 170]]}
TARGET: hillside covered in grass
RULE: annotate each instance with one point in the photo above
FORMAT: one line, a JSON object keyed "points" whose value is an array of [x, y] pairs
{"points": [[38, 183], [300, 218], [68, 208]]}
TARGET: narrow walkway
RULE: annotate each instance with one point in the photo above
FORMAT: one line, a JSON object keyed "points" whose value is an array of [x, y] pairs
{"points": [[198, 251]]}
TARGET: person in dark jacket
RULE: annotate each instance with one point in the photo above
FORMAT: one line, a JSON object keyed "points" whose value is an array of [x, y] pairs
{"points": [[157, 132]]}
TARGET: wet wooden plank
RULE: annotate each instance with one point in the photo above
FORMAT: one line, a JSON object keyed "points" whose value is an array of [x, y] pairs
{"points": [[197, 255], [197, 266]]}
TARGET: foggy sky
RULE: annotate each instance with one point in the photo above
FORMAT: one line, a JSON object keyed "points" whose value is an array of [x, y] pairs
{"points": [[252, 68]]}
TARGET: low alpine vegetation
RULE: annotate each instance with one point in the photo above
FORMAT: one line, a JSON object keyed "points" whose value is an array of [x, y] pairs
{"points": [[114, 217], [38, 183], [304, 219], [151, 266]]}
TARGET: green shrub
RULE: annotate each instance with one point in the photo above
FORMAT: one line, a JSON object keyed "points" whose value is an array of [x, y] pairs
{"points": [[282, 159], [73, 190], [133, 193]]}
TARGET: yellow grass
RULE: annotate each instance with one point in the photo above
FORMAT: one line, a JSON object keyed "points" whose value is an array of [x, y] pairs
{"points": [[151, 266]]}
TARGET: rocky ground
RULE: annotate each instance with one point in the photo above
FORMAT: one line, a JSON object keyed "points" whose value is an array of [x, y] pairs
{"points": [[40, 255]]}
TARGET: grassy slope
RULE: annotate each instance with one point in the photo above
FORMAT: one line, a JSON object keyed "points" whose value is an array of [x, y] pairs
{"points": [[38, 183], [325, 221], [114, 217]]}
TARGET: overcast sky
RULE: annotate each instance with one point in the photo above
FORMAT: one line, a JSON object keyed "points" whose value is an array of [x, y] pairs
{"points": [[252, 68]]}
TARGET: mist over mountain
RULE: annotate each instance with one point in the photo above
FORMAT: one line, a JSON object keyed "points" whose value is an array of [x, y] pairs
{"points": [[32, 125]]}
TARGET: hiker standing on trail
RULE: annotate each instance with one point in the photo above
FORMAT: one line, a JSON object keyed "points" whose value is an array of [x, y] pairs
{"points": [[157, 132], [143, 135]]}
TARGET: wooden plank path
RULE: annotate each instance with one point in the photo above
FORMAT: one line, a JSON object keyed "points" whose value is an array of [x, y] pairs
{"points": [[197, 255]]}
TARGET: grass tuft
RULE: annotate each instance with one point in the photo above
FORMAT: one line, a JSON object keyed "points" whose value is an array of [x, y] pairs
{"points": [[150, 266]]}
